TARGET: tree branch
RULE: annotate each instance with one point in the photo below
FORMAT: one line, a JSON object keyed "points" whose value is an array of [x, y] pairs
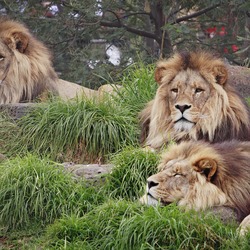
{"points": [[130, 29], [198, 13]]}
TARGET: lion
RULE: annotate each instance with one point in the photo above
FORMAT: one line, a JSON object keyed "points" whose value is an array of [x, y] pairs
{"points": [[194, 101], [203, 176], [26, 70]]}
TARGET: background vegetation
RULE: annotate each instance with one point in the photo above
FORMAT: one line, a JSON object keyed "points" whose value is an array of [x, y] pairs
{"points": [[81, 33]]}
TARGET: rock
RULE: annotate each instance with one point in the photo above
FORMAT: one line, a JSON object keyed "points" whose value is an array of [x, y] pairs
{"points": [[88, 171], [239, 77], [17, 110]]}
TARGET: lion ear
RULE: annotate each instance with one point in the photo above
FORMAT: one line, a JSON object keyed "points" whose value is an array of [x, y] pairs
{"points": [[18, 41], [220, 74], [159, 74], [206, 166]]}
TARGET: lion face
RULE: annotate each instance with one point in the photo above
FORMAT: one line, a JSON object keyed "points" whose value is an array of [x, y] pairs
{"points": [[187, 95], [171, 184]]}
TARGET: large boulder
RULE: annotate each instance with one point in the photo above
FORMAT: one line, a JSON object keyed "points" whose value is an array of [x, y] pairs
{"points": [[240, 78]]}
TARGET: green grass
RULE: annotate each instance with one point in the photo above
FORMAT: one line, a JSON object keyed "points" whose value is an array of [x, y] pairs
{"points": [[132, 167], [126, 225], [80, 130], [139, 87], [34, 190], [9, 135]]}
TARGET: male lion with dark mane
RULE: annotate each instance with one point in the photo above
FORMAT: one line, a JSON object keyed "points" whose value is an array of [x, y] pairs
{"points": [[26, 69], [203, 176], [194, 101]]}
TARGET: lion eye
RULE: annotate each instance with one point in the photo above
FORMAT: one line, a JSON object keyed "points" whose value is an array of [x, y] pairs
{"points": [[177, 175], [199, 90], [175, 90]]}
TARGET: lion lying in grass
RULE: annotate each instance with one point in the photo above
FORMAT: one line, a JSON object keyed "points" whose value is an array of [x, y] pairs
{"points": [[194, 101], [202, 176], [26, 70]]}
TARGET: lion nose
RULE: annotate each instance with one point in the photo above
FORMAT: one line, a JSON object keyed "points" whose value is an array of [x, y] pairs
{"points": [[152, 184], [182, 108]]}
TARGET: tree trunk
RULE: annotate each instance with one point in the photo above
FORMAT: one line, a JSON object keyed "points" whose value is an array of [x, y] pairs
{"points": [[162, 36]]}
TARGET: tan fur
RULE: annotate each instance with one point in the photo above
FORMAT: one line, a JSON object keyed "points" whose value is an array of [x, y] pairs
{"points": [[26, 70], [202, 176], [193, 86]]}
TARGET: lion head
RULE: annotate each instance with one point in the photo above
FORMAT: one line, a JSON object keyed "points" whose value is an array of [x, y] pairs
{"points": [[201, 176], [194, 101], [25, 64]]}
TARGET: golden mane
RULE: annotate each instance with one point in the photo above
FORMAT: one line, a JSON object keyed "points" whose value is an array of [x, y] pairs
{"points": [[203, 176], [194, 83]]}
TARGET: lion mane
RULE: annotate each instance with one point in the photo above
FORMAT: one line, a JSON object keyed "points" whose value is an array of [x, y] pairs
{"points": [[203, 176], [194, 101], [26, 69]]}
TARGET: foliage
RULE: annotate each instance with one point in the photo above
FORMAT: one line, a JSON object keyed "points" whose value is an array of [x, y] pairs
{"points": [[34, 190], [132, 167], [81, 32], [126, 225]]}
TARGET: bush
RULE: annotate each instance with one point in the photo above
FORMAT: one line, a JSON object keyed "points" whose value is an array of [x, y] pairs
{"points": [[34, 190]]}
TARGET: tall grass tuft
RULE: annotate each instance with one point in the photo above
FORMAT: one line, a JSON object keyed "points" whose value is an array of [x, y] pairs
{"points": [[131, 226], [81, 130], [132, 167], [139, 87], [34, 190]]}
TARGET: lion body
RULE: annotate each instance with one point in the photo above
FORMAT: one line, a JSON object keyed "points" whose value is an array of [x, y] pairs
{"points": [[202, 176], [194, 101], [26, 70]]}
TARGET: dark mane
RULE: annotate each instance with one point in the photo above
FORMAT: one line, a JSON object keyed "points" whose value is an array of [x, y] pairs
{"points": [[233, 178]]}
